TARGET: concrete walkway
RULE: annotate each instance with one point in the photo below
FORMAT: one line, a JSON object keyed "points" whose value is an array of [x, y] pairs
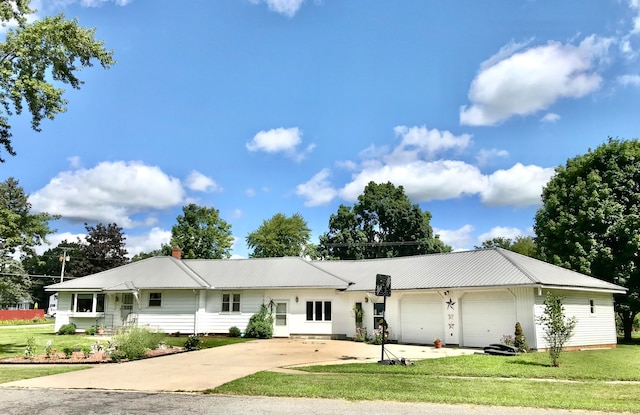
{"points": [[205, 369]]}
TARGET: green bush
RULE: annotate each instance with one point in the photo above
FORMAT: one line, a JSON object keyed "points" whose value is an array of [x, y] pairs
{"points": [[234, 332], [134, 342], [117, 356], [68, 352], [192, 343], [86, 351], [520, 340], [30, 349], [260, 324], [67, 329], [91, 331]]}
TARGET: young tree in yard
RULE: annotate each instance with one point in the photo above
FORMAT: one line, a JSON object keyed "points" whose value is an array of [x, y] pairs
{"points": [[280, 236], [34, 54], [590, 220], [103, 249], [557, 328], [20, 232], [202, 233], [382, 224]]}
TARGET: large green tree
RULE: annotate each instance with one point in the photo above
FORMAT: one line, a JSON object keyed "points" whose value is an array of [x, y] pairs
{"points": [[590, 220], [104, 248], [382, 224], [35, 58], [202, 233], [20, 232], [280, 236], [524, 245]]}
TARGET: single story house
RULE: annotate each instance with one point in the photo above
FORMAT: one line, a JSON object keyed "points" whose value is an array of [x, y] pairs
{"points": [[470, 298]]}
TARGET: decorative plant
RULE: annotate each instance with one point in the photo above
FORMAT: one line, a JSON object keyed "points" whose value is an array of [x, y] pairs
{"points": [[437, 343], [90, 331], [507, 340], [520, 340], [30, 348], [361, 334], [68, 352], [557, 328], [234, 332], [192, 343], [48, 349], [358, 312], [260, 324], [86, 351], [67, 329]]}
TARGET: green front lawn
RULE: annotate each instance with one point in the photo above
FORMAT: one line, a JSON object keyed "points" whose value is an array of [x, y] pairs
{"points": [[11, 373], [14, 340], [585, 380]]}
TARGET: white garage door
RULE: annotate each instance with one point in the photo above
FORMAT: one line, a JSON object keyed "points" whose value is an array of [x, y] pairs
{"points": [[421, 318], [486, 317]]}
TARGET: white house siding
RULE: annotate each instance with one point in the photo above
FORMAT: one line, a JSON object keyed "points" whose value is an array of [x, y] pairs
{"points": [[213, 320], [591, 329], [175, 314], [64, 315]]}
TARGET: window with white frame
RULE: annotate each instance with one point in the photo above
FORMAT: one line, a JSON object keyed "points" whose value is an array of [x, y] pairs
{"points": [[87, 303], [231, 303], [318, 310], [155, 299]]}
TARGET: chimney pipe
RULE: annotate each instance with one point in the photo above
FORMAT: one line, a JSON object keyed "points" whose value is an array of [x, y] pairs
{"points": [[176, 253]]}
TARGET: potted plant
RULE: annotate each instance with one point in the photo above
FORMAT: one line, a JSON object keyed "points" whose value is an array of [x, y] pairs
{"points": [[437, 343], [100, 329]]}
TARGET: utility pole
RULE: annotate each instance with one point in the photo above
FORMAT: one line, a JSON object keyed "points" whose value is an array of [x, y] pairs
{"points": [[64, 258]]}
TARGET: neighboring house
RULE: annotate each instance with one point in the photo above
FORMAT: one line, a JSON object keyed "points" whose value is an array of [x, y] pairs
{"points": [[470, 298]]}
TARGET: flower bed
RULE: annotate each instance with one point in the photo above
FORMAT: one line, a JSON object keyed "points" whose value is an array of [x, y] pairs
{"points": [[80, 358]]}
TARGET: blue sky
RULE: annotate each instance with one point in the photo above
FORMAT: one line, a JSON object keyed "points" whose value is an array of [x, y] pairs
{"points": [[257, 107]]}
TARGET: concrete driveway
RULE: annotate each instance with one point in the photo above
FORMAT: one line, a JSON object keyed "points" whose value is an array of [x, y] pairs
{"points": [[205, 369]]}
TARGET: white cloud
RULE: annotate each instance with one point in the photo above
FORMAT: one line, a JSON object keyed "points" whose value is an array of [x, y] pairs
{"points": [[420, 142], [518, 186], [280, 140], [550, 117], [201, 183], [109, 192], [500, 232], [250, 192], [629, 80], [317, 191], [147, 242], [285, 7], [485, 155], [531, 80], [458, 239], [236, 214]]}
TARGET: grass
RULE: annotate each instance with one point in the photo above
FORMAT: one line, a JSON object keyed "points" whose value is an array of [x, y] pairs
{"points": [[206, 342], [585, 380], [14, 340], [26, 322], [11, 373]]}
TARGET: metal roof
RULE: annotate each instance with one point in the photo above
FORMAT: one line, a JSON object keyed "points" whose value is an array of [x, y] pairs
{"points": [[285, 272], [468, 269], [479, 268], [156, 272]]}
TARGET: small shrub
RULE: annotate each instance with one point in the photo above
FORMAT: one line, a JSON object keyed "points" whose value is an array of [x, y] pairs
{"points": [[91, 331], [557, 328], [67, 329], [260, 324], [507, 340], [117, 355], [134, 342], [68, 352], [48, 349], [86, 351], [192, 343], [30, 348], [234, 332], [520, 340], [361, 335]]}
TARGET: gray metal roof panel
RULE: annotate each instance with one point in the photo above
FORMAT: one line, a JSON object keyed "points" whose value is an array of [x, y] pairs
{"points": [[156, 272], [284, 272]]}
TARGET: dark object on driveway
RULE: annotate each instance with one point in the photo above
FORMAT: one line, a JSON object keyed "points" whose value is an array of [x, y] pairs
{"points": [[500, 350]]}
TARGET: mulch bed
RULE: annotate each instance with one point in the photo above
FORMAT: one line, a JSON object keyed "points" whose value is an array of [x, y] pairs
{"points": [[79, 358]]}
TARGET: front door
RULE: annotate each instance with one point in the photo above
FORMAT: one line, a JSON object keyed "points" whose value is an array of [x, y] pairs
{"points": [[281, 320]]}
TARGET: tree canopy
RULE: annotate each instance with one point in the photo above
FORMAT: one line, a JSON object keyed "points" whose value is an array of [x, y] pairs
{"points": [[20, 232], [202, 233], [590, 220], [382, 224], [280, 236], [33, 54], [103, 249], [524, 245]]}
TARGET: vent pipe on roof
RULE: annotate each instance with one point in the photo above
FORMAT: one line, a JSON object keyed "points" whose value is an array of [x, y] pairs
{"points": [[176, 253]]}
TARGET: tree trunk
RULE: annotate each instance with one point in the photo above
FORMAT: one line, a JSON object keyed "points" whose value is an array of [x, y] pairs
{"points": [[627, 324]]}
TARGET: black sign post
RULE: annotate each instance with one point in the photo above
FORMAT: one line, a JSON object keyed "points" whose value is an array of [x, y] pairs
{"points": [[383, 289]]}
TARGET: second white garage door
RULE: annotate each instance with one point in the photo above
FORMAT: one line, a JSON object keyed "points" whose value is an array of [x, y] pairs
{"points": [[421, 318], [486, 317]]}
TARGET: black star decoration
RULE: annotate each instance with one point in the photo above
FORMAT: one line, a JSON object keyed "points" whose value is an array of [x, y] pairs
{"points": [[450, 303], [451, 325]]}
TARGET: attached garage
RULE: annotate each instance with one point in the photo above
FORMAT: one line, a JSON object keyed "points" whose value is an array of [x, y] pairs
{"points": [[486, 317], [421, 318]]}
